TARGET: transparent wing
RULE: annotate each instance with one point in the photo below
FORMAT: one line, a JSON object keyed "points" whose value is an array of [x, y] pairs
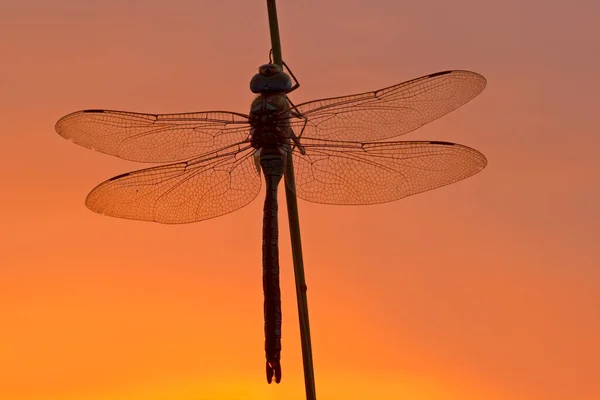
{"points": [[388, 112], [199, 189], [154, 137], [351, 173]]}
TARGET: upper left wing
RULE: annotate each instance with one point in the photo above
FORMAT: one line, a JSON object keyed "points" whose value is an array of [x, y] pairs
{"points": [[154, 137]]}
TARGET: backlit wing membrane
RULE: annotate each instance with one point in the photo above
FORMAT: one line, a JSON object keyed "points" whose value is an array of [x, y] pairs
{"points": [[343, 162], [388, 112], [352, 173], [199, 189], [154, 137]]}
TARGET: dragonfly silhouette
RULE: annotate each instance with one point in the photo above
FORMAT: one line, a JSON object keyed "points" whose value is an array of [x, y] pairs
{"points": [[215, 158]]}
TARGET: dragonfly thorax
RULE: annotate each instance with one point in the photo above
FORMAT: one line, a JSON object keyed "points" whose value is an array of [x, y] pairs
{"points": [[269, 120]]}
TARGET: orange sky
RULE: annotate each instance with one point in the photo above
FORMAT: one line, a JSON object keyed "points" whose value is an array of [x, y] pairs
{"points": [[486, 289]]}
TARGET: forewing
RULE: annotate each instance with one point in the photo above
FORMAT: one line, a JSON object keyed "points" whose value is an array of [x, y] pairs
{"points": [[388, 112], [195, 190], [154, 137], [351, 173]]}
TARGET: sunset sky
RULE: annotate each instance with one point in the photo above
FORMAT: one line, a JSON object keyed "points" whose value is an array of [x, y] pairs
{"points": [[486, 289]]}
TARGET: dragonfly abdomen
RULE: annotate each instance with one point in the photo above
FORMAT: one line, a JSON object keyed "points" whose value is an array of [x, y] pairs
{"points": [[271, 162]]}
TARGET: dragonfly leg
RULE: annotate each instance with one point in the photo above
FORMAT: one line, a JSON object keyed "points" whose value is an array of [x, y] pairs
{"points": [[296, 113], [296, 138], [297, 85], [303, 126]]}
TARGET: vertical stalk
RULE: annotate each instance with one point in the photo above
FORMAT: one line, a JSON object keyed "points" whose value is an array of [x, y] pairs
{"points": [[294, 220]]}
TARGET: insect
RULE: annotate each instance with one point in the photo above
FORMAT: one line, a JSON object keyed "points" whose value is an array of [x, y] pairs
{"points": [[340, 156]]}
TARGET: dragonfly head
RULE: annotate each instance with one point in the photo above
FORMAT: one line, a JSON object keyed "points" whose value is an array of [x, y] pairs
{"points": [[270, 78]]}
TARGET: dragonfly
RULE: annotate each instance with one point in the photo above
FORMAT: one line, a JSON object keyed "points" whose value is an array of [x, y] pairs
{"points": [[339, 147]]}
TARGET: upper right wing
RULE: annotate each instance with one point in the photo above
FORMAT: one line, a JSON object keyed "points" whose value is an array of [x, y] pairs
{"points": [[388, 112]]}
